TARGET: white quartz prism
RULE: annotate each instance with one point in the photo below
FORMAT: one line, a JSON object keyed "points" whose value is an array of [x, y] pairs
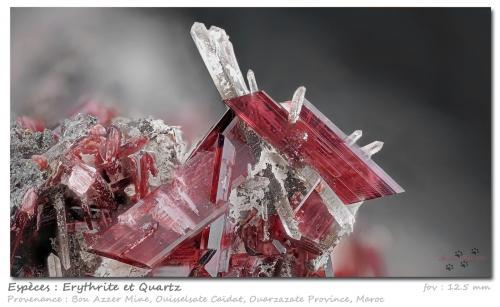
{"points": [[218, 54]]}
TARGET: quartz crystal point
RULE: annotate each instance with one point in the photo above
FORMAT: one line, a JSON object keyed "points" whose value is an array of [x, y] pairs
{"points": [[150, 230], [372, 148], [113, 268], [353, 137], [54, 266], [62, 233], [296, 104], [252, 83], [216, 236], [218, 54]]}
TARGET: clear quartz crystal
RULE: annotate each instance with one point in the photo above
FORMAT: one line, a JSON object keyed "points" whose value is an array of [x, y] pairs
{"points": [[343, 216], [296, 105], [247, 196], [279, 246], [269, 157], [62, 233], [311, 179], [354, 137], [54, 266], [252, 83], [372, 148], [285, 213], [322, 261], [214, 242], [329, 267], [218, 54], [112, 268]]}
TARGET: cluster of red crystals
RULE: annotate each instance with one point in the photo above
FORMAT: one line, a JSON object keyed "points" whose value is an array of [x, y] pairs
{"points": [[316, 141], [106, 170], [101, 164], [257, 241], [158, 230], [149, 231], [247, 244], [109, 158]]}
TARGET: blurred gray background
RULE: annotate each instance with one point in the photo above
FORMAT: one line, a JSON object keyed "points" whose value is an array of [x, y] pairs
{"points": [[417, 79]]}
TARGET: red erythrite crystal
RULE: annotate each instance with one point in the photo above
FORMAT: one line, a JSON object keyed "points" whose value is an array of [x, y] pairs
{"points": [[228, 126], [315, 140], [133, 145], [149, 231], [98, 165], [188, 252], [88, 184], [255, 241], [26, 212], [112, 145], [84, 180], [318, 227], [141, 166], [186, 260], [147, 166], [315, 221]]}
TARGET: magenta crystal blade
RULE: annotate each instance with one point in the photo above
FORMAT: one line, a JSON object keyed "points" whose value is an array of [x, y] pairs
{"points": [[316, 141], [149, 231], [227, 126], [209, 139]]}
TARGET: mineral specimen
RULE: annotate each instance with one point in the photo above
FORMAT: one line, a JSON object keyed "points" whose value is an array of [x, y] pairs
{"points": [[298, 180], [268, 192]]}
